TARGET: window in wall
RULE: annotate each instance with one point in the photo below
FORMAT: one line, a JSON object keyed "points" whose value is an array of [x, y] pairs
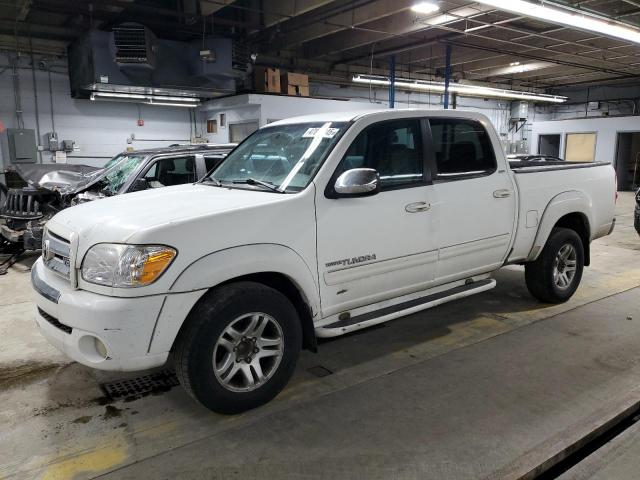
{"points": [[580, 147], [171, 171], [461, 147], [223, 120], [212, 126], [393, 148], [240, 131]]}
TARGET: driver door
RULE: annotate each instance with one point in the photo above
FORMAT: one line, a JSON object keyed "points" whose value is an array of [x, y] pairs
{"points": [[382, 246]]}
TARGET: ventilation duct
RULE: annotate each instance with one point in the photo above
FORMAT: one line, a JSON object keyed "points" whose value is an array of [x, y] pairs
{"points": [[131, 60]]}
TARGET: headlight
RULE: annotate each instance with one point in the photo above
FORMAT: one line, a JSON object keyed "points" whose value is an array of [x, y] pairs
{"points": [[126, 266]]}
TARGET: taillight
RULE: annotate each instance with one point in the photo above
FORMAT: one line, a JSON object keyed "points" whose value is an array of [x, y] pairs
{"points": [[615, 177]]}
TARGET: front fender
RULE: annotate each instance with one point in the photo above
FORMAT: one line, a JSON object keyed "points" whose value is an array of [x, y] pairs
{"points": [[562, 204], [224, 265], [220, 267]]}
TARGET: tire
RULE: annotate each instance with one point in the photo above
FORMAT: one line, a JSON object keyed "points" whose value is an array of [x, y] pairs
{"points": [[543, 280], [211, 329]]}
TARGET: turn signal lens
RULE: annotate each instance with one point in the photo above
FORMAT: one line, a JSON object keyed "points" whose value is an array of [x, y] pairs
{"points": [[154, 265]]}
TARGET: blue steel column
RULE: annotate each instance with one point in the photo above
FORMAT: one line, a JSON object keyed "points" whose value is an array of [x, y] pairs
{"points": [[447, 77], [392, 81]]}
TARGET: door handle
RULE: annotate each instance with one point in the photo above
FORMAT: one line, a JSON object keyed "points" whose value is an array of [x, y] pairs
{"points": [[502, 193], [417, 207]]}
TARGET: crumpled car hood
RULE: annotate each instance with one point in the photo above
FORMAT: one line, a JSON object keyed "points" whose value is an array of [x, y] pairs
{"points": [[65, 179]]}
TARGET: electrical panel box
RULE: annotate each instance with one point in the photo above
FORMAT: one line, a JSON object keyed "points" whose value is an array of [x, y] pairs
{"points": [[519, 110], [22, 145], [52, 142], [68, 145]]}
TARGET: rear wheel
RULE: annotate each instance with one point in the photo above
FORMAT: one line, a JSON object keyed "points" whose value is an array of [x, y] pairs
{"points": [[555, 275], [239, 347]]}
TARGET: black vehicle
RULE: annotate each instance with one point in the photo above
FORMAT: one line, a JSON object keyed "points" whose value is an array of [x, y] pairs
{"points": [[636, 213], [51, 188], [531, 159]]}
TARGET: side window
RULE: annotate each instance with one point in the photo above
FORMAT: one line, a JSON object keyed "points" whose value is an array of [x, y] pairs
{"points": [[212, 162], [171, 171], [393, 148], [461, 147]]}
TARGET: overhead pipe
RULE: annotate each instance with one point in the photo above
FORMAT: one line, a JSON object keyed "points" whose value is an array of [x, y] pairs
{"points": [[447, 76], [392, 81]]}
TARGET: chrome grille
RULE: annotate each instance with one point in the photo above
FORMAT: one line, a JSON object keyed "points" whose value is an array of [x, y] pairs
{"points": [[56, 253]]}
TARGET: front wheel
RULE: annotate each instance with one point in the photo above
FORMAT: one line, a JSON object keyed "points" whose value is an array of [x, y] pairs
{"points": [[239, 348], [555, 275]]}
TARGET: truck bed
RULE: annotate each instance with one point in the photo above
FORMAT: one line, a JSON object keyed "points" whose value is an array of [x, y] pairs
{"points": [[541, 182]]}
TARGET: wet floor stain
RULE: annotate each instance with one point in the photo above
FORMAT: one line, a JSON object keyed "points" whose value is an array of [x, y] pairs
{"points": [[111, 412], [85, 419], [23, 372]]}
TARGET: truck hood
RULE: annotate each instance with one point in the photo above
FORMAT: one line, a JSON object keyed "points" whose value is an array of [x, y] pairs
{"points": [[63, 179], [118, 218]]}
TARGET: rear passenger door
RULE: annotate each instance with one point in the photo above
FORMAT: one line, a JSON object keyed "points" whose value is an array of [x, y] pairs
{"points": [[474, 200]]}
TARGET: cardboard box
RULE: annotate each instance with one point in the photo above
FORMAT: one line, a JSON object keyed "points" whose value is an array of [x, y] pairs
{"points": [[296, 84], [299, 79], [298, 90], [266, 80]]}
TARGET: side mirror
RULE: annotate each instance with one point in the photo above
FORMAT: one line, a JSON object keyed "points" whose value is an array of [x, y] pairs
{"points": [[138, 185], [358, 182]]}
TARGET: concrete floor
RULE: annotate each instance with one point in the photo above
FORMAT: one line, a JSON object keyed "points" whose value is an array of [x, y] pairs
{"points": [[488, 387]]}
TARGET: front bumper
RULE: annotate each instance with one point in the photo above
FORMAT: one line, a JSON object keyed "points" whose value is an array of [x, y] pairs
{"points": [[72, 320]]}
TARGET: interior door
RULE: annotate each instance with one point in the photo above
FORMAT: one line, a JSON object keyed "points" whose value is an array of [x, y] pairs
{"points": [[474, 202], [378, 247]]}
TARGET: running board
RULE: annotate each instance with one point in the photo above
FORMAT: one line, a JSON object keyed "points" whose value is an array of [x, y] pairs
{"points": [[375, 317]]}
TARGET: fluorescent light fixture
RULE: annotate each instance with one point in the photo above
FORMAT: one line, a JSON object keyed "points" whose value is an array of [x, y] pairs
{"points": [[567, 18], [516, 67], [425, 7], [174, 101], [460, 89], [170, 104]]}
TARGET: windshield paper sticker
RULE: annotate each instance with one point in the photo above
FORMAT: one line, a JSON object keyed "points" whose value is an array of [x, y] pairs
{"points": [[312, 132]]}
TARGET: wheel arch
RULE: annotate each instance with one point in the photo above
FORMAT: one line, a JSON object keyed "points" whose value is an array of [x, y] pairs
{"points": [[567, 210], [275, 266]]}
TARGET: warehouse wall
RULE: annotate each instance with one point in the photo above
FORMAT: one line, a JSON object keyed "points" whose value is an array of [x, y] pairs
{"points": [[606, 129], [267, 108], [100, 129]]}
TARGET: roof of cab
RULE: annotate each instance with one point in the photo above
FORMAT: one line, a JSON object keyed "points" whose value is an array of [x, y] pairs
{"points": [[183, 148], [352, 115]]}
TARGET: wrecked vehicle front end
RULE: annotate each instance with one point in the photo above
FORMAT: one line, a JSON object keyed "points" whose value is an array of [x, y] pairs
{"points": [[48, 190]]}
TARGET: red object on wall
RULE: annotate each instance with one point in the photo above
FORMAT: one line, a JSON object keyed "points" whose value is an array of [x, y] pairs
{"points": [[140, 122], [2, 127]]}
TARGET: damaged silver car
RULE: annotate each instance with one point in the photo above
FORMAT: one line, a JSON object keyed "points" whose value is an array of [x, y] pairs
{"points": [[51, 188]]}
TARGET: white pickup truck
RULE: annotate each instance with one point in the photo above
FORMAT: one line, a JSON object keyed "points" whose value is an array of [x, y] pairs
{"points": [[312, 227]]}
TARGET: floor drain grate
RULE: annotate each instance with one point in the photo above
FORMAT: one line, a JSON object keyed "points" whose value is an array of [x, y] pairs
{"points": [[319, 371], [140, 386]]}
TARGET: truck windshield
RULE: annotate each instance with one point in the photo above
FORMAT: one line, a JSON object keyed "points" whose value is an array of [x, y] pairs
{"points": [[119, 172], [113, 161], [285, 156]]}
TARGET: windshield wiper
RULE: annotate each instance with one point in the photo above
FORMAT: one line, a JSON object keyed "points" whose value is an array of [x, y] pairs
{"points": [[253, 181], [211, 180]]}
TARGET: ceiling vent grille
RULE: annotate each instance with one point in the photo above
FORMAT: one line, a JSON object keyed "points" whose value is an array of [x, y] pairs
{"points": [[240, 56], [135, 45]]}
